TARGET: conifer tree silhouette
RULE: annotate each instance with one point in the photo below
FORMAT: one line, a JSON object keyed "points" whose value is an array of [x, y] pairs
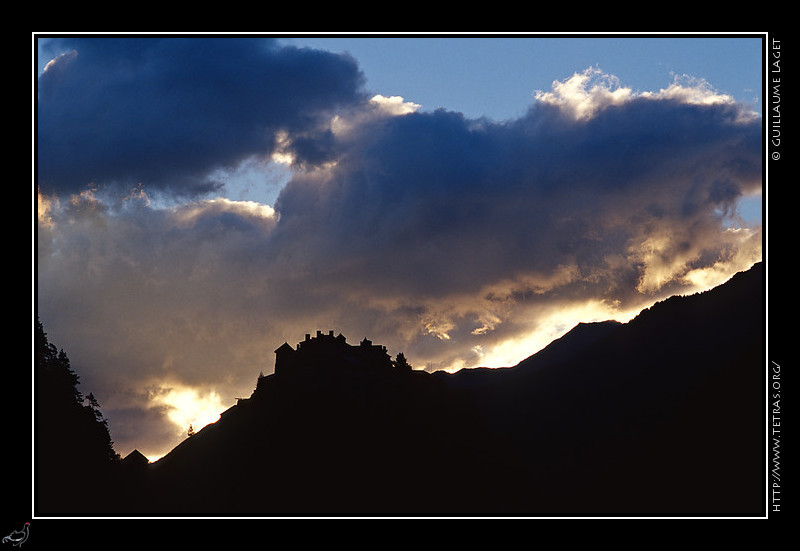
{"points": [[401, 362], [72, 443]]}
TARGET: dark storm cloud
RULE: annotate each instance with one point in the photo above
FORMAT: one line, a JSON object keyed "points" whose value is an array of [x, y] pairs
{"points": [[470, 230], [435, 204], [167, 111]]}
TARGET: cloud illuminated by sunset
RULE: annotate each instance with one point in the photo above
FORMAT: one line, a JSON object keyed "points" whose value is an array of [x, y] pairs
{"points": [[460, 242]]}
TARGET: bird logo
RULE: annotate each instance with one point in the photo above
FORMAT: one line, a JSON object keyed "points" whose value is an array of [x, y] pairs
{"points": [[17, 537]]}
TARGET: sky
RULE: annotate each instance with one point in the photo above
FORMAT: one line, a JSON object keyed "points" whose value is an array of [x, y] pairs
{"points": [[463, 200]]}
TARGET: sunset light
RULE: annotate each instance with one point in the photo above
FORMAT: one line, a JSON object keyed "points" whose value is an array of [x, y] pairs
{"points": [[551, 326], [187, 406]]}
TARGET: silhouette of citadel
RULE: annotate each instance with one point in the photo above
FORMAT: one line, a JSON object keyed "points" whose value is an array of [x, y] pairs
{"points": [[326, 350], [321, 360]]}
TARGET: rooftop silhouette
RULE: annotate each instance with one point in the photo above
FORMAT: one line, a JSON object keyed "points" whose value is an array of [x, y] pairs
{"points": [[326, 350]]}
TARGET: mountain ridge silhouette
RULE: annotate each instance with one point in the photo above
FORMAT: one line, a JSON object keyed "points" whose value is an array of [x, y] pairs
{"points": [[685, 377], [659, 416]]}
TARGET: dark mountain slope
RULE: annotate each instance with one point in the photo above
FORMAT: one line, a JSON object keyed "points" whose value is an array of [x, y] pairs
{"points": [[662, 415], [353, 443], [659, 416], [559, 351], [571, 344]]}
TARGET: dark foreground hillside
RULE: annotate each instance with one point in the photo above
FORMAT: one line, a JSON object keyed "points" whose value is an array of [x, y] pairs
{"points": [[661, 416], [347, 443]]}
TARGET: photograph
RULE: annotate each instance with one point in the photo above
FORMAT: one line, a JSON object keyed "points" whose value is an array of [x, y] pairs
{"points": [[400, 276]]}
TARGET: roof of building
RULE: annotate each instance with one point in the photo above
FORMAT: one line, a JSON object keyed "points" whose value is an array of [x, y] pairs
{"points": [[136, 458], [284, 346]]}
